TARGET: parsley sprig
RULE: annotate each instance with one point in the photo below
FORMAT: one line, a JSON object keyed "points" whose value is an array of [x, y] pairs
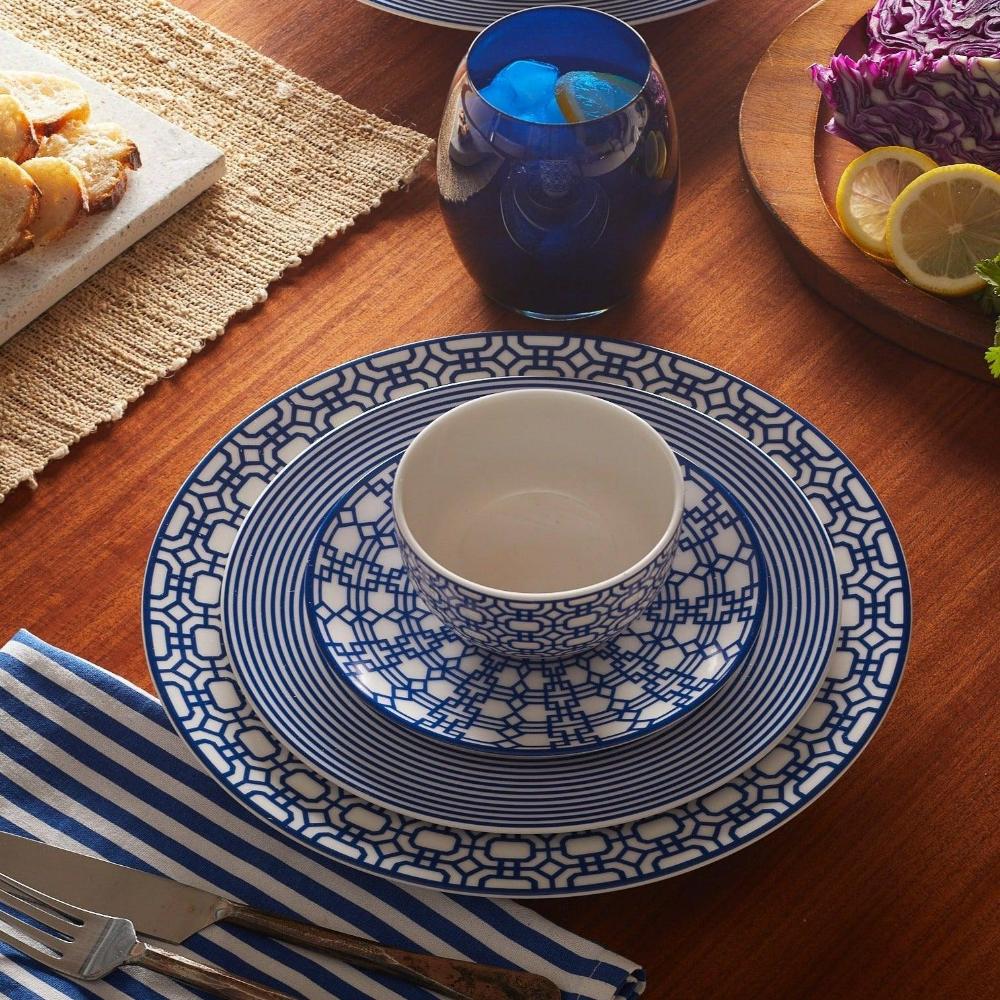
{"points": [[989, 299]]}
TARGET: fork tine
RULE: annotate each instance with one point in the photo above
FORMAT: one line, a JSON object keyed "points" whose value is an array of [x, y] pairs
{"points": [[73, 914], [32, 938], [45, 958], [48, 916], [68, 909]]}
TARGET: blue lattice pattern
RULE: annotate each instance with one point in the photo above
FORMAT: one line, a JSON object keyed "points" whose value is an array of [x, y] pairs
{"points": [[374, 627], [181, 622], [539, 629]]}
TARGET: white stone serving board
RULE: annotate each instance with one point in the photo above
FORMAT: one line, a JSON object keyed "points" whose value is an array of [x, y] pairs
{"points": [[176, 168]]}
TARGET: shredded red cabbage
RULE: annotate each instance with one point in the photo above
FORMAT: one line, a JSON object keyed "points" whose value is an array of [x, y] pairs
{"points": [[948, 108], [935, 27], [930, 80]]}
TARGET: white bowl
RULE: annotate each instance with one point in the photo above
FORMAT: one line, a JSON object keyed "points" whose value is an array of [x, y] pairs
{"points": [[538, 522]]}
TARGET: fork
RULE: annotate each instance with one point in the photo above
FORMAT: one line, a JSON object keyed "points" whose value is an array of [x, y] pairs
{"points": [[85, 945]]}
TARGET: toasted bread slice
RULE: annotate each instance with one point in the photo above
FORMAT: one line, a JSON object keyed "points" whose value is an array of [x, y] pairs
{"points": [[102, 153], [18, 204], [63, 197], [17, 137], [50, 102]]}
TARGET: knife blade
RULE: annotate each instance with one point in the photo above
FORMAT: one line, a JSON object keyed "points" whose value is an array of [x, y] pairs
{"points": [[157, 906], [162, 908]]}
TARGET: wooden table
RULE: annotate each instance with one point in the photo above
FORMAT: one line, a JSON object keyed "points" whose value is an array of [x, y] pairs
{"points": [[883, 887]]}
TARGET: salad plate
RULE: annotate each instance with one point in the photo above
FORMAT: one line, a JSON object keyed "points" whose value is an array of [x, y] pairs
{"points": [[374, 629], [311, 710], [475, 14], [195, 680]]}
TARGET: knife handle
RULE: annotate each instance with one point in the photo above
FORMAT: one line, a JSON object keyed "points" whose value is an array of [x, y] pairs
{"points": [[204, 977], [446, 976]]}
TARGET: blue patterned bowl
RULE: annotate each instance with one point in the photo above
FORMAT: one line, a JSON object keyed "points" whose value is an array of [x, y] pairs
{"points": [[538, 523]]}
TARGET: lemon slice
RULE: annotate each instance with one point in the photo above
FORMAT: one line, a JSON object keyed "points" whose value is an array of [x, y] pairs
{"points": [[867, 189], [944, 223], [583, 95]]}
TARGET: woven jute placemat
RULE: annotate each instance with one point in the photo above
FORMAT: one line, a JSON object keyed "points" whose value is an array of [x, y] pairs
{"points": [[143, 315]]}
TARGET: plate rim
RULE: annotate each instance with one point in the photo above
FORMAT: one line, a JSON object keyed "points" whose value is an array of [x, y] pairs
{"points": [[425, 881], [379, 5], [547, 753]]}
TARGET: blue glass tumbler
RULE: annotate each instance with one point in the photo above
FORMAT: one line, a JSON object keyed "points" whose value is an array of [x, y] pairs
{"points": [[558, 221]]}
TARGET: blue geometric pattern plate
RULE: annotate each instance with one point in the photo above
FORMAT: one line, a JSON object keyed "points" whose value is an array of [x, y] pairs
{"points": [[375, 629], [476, 14], [195, 679], [314, 712]]}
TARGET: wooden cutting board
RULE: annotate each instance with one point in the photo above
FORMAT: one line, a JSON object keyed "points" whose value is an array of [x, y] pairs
{"points": [[176, 167], [794, 165]]}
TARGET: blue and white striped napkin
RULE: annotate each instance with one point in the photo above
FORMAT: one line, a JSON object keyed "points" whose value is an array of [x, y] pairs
{"points": [[89, 762]]}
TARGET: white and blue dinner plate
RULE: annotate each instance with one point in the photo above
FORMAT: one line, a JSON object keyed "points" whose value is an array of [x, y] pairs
{"points": [[374, 628], [183, 633], [476, 14], [312, 711]]}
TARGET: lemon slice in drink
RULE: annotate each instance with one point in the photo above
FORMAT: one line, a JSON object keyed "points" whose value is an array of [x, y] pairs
{"points": [[583, 95], [867, 189], [944, 223]]}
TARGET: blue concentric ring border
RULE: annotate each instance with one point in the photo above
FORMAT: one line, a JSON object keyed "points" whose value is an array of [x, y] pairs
{"points": [[474, 15], [268, 640]]}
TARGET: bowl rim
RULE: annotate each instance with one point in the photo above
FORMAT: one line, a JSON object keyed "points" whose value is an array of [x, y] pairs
{"points": [[542, 597]]}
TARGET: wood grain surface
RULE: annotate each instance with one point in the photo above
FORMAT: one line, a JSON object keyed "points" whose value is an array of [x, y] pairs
{"points": [[886, 887], [784, 155]]}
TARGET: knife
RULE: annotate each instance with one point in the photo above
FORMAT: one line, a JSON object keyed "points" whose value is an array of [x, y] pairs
{"points": [[171, 911]]}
